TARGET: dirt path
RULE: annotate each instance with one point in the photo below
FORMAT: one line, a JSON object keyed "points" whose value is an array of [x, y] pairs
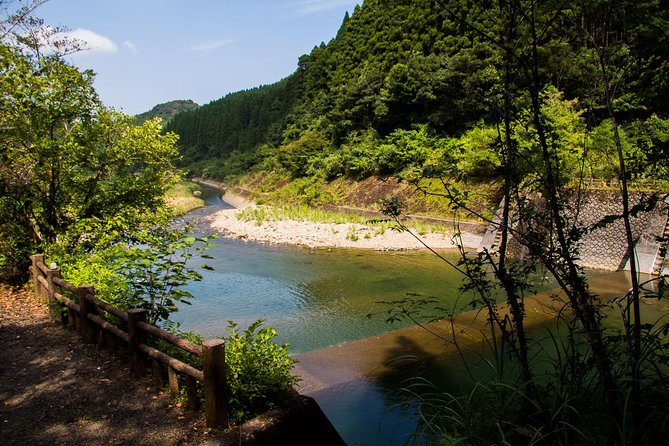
{"points": [[57, 391]]}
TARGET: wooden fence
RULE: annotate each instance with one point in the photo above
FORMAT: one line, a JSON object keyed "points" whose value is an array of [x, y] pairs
{"points": [[84, 314]]}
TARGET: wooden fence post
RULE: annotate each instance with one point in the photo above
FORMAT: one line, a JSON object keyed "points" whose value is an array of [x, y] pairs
{"points": [[36, 272], [136, 336], [173, 380], [72, 320], [87, 328], [215, 383], [54, 307], [191, 393], [157, 373]]}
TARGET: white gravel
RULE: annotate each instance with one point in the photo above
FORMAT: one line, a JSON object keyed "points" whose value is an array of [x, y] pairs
{"points": [[323, 235]]}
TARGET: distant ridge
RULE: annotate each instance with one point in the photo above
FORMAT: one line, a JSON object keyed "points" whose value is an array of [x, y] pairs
{"points": [[167, 110]]}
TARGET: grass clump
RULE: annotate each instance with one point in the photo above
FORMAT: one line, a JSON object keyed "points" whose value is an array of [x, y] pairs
{"points": [[181, 198]]}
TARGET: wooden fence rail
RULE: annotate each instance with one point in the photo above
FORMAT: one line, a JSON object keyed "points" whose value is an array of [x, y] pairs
{"points": [[130, 330]]}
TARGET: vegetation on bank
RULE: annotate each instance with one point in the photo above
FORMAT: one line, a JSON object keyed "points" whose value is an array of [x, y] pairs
{"points": [[375, 225], [93, 190], [279, 190], [183, 197], [405, 90]]}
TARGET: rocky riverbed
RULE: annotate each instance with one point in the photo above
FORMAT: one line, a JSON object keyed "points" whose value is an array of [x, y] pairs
{"points": [[329, 235]]}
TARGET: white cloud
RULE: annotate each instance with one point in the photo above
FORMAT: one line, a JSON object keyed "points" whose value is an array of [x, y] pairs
{"points": [[130, 46], [314, 6], [209, 46], [92, 41]]}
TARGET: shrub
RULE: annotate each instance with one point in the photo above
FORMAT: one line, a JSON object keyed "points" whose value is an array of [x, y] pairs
{"points": [[258, 370]]}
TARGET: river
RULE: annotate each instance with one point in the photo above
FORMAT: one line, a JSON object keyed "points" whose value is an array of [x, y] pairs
{"points": [[314, 298], [331, 307]]}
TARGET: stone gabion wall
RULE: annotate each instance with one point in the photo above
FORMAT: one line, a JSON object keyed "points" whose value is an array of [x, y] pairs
{"points": [[606, 248]]}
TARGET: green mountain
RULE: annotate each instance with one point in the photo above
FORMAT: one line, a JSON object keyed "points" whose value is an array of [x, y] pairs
{"points": [[433, 70], [167, 110]]}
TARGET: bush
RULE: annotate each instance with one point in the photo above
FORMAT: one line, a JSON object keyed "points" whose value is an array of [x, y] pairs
{"points": [[295, 156], [306, 190], [258, 370]]}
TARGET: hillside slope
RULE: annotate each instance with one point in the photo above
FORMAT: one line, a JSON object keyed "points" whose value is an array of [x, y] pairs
{"points": [[167, 110], [404, 81]]}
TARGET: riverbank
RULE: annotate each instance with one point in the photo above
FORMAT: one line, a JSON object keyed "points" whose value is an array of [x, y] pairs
{"points": [[327, 235], [183, 197]]}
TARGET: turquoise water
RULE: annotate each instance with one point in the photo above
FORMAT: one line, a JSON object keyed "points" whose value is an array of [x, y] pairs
{"points": [[313, 297]]}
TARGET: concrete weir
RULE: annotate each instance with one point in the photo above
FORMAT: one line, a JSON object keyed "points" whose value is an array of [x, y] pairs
{"points": [[357, 384], [380, 356]]}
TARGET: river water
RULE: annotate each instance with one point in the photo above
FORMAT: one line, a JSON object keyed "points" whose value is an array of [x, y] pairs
{"points": [[314, 298], [319, 298]]}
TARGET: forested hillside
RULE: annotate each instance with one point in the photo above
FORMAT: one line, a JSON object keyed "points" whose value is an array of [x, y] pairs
{"points": [[166, 110], [419, 85], [236, 124]]}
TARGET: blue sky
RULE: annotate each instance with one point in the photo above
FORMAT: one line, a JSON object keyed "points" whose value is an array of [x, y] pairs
{"points": [[146, 52]]}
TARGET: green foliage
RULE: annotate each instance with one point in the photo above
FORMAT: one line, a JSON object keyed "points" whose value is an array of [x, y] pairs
{"points": [[295, 156], [644, 143], [132, 267], [365, 154], [301, 191], [477, 152], [258, 370], [155, 269], [94, 269], [565, 133], [65, 158]]}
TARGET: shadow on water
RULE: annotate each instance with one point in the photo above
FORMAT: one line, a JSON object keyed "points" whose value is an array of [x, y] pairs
{"points": [[381, 407], [371, 410], [370, 388]]}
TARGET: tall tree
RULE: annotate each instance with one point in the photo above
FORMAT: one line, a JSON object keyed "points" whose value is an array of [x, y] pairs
{"points": [[64, 157]]}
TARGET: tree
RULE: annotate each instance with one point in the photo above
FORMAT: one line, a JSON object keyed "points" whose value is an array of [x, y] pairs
{"points": [[538, 146], [64, 156]]}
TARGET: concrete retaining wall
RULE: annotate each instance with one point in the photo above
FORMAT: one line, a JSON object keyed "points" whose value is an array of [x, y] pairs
{"points": [[299, 422], [605, 247]]}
